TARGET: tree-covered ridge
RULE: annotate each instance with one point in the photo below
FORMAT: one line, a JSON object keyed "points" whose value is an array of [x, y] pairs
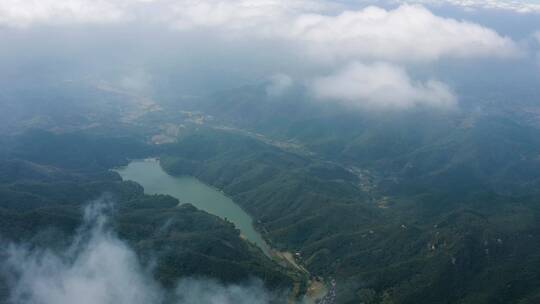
{"points": [[416, 248], [42, 199]]}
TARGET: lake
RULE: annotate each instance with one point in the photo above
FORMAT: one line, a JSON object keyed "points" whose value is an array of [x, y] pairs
{"points": [[149, 174]]}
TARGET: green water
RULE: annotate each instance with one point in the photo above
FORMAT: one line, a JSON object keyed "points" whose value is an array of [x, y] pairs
{"points": [[149, 174]]}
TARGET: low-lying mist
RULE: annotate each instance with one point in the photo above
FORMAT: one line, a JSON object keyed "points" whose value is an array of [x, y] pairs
{"points": [[99, 268]]}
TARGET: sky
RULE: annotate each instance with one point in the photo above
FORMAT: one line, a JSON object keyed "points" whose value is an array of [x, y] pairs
{"points": [[370, 54]]}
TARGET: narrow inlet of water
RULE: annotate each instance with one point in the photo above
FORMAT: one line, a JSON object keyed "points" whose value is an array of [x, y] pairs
{"points": [[149, 174]]}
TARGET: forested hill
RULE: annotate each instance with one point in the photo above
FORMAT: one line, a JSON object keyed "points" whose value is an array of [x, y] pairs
{"points": [[407, 207], [416, 248], [47, 179]]}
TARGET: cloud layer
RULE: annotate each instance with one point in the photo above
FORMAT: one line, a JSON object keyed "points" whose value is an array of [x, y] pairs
{"points": [[323, 35], [98, 268], [381, 85], [24, 13], [406, 33], [278, 84], [536, 38], [521, 7]]}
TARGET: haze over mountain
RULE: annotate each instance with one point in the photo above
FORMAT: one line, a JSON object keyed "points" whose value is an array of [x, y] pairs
{"points": [[386, 151]]}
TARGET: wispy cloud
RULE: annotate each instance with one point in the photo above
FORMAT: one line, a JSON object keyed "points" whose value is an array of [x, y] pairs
{"points": [[407, 33], [321, 36], [99, 268], [278, 84], [516, 6], [381, 86], [536, 47], [24, 13]]}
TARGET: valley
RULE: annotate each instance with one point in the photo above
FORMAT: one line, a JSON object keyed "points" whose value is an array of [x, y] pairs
{"points": [[154, 180], [270, 152], [339, 227]]}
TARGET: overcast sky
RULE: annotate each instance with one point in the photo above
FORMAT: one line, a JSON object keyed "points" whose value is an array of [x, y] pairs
{"points": [[365, 53]]}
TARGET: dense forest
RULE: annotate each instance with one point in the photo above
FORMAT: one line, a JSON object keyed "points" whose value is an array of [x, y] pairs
{"points": [[417, 248], [299, 152], [42, 197]]}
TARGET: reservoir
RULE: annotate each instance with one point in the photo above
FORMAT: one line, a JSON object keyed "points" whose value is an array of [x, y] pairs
{"points": [[149, 174]]}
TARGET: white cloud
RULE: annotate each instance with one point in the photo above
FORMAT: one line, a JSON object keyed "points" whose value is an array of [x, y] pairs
{"points": [[191, 291], [279, 83], [24, 13], [182, 14], [536, 36], [138, 81], [517, 6], [408, 33], [261, 15], [381, 86], [99, 268], [320, 33]]}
